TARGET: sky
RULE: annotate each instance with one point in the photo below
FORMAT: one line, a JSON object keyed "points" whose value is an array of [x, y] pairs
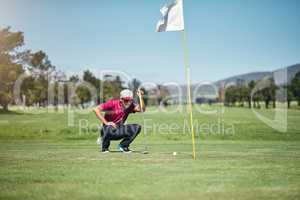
{"points": [[225, 37]]}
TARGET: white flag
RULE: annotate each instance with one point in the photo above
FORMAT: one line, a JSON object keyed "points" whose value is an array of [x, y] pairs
{"points": [[172, 19]]}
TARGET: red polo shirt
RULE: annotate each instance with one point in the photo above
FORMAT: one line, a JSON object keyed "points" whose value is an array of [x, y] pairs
{"points": [[115, 111]]}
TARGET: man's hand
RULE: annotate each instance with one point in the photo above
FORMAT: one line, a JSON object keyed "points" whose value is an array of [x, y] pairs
{"points": [[140, 93], [102, 119], [111, 124], [141, 106]]}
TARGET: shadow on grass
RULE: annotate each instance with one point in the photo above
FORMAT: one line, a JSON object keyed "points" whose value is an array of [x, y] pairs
{"points": [[132, 152], [10, 112]]}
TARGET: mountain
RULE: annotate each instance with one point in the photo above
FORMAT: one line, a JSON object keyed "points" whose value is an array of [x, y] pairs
{"points": [[291, 71], [209, 91], [246, 78]]}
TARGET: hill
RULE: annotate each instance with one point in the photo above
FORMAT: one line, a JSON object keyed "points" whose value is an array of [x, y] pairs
{"points": [[246, 78]]}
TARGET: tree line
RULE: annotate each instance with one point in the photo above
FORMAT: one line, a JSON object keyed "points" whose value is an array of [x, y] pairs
{"points": [[269, 93], [42, 84]]}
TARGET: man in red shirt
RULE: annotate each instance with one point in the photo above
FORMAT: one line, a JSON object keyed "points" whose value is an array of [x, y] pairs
{"points": [[116, 113]]}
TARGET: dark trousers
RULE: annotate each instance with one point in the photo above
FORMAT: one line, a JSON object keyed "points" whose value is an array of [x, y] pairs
{"points": [[125, 132]]}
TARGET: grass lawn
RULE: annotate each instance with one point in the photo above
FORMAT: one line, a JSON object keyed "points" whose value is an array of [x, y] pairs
{"points": [[42, 158]]}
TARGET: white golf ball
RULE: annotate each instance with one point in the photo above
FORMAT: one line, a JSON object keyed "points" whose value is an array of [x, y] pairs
{"points": [[174, 153]]}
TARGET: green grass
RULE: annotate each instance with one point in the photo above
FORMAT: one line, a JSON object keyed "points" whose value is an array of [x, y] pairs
{"points": [[42, 158], [44, 125], [223, 170]]}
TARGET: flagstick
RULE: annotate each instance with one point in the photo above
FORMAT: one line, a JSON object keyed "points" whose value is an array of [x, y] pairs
{"points": [[188, 79]]}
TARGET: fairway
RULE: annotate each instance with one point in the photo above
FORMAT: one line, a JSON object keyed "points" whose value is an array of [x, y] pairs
{"points": [[223, 170], [42, 158]]}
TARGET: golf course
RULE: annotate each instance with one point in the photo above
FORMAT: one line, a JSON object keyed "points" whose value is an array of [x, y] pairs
{"points": [[42, 159], [149, 100]]}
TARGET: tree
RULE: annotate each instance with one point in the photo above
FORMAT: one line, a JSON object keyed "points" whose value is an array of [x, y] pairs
{"points": [[43, 73], [112, 87], [250, 88], [29, 89], [231, 95], [83, 94], [163, 94], [134, 85], [269, 93], [74, 79], [242, 94], [57, 89], [257, 96], [273, 88], [88, 76], [71, 98], [10, 65], [295, 87], [289, 93]]}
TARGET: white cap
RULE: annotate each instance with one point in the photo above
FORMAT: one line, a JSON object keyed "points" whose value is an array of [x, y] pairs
{"points": [[126, 94]]}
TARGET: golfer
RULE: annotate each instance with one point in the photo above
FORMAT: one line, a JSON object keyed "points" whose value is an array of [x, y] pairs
{"points": [[116, 113]]}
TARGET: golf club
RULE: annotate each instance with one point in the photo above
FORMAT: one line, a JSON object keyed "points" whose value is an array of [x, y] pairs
{"points": [[142, 111]]}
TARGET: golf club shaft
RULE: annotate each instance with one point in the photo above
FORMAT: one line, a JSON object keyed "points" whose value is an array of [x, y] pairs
{"points": [[142, 111]]}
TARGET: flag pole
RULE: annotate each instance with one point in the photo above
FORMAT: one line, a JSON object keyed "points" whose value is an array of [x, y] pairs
{"points": [[189, 97], [173, 20]]}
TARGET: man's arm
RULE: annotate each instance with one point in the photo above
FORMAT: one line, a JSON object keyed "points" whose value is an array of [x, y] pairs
{"points": [[98, 111]]}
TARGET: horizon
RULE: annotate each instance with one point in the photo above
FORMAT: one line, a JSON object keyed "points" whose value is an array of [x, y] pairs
{"points": [[121, 36]]}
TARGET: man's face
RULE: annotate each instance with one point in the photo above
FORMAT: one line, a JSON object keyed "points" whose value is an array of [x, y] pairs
{"points": [[126, 102]]}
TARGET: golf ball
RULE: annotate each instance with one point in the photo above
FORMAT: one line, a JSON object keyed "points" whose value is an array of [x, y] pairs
{"points": [[174, 153]]}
